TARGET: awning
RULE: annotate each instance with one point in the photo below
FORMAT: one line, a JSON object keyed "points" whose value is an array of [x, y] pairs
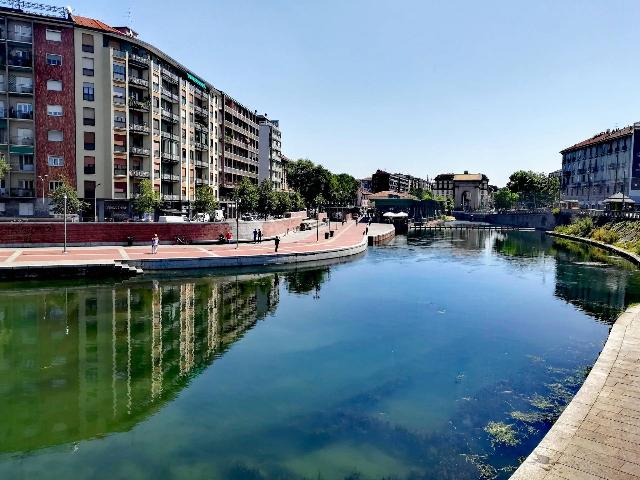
{"points": [[619, 198]]}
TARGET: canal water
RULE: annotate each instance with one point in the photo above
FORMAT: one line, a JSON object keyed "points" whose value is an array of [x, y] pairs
{"points": [[441, 356]]}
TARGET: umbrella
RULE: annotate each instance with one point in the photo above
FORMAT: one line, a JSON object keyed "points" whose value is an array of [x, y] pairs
{"points": [[389, 215], [401, 215]]}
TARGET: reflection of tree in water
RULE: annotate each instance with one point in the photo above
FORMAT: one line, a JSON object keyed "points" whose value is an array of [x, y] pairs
{"points": [[522, 244], [306, 281], [590, 278]]}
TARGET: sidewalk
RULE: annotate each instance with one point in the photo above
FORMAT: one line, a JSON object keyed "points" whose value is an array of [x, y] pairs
{"points": [[346, 235]]}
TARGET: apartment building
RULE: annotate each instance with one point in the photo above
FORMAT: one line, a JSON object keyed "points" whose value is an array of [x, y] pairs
{"points": [[97, 106], [239, 136], [601, 166], [270, 152], [140, 115], [382, 181], [37, 127]]}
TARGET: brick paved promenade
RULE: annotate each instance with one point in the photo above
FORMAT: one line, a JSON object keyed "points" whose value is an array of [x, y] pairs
{"points": [[350, 234]]}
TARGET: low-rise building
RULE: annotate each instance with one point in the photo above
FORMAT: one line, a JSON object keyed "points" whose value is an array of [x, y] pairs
{"points": [[469, 191]]}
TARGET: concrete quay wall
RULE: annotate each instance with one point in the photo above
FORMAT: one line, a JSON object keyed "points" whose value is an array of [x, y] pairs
{"points": [[537, 220]]}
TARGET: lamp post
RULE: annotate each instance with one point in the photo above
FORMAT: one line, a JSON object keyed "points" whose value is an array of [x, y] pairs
{"points": [[65, 224], [318, 222], [95, 203], [42, 179], [237, 225]]}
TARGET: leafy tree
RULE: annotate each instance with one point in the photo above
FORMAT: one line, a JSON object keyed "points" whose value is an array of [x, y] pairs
{"points": [[282, 203], [310, 180], [4, 167], [297, 202], [148, 199], [74, 204], [446, 202], [266, 198], [505, 199], [534, 189], [246, 195], [205, 200], [346, 188], [421, 194]]}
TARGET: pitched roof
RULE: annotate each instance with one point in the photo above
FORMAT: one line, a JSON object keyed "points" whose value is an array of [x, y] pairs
{"points": [[601, 138], [93, 23]]}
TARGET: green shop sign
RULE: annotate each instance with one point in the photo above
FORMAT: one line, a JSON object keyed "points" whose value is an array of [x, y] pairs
{"points": [[197, 81]]}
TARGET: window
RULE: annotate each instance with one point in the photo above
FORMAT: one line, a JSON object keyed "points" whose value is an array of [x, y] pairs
{"points": [[55, 161], [55, 135], [87, 92], [87, 43], [88, 116], [23, 110], [119, 95], [156, 124], [24, 84], [54, 185], [89, 141], [119, 120], [54, 59], [54, 110], [119, 72], [25, 209], [54, 85], [53, 35], [89, 165], [87, 66]]}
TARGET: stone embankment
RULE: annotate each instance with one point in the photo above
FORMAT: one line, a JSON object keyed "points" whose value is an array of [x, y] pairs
{"points": [[598, 434]]}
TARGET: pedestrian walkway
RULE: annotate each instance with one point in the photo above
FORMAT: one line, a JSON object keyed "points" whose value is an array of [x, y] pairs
{"points": [[346, 235], [598, 434]]}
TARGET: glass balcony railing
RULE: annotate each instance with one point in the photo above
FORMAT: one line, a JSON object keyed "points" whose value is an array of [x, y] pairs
{"points": [[22, 141], [21, 115], [20, 37], [19, 61], [22, 192]]}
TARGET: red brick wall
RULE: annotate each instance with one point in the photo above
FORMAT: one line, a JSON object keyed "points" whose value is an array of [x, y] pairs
{"points": [[43, 97], [21, 233]]}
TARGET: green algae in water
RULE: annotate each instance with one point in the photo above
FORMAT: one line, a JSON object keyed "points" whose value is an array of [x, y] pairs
{"points": [[502, 433], [528, 417], [485, 470]]}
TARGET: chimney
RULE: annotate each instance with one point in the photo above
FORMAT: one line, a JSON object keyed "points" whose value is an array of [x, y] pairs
{"points": [[466, 172]]}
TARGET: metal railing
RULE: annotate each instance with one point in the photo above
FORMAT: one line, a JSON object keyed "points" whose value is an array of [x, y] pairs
{"points": [[139, 104], [138, 174], [139, 151], [168, 115], [139, 81], [169, 75], [120, 172], [140, 59], [20, 37], [170, 156], [139, 128], [27, 141], [170, 177], [22, 192]]}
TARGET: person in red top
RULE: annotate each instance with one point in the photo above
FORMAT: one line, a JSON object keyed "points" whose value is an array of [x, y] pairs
{"points": [[229, 236]]}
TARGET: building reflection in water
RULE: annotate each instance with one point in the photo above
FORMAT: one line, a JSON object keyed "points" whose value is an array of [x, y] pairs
{"points": [[81, 362]]}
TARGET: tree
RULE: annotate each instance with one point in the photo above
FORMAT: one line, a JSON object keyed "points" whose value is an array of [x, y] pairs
{"points": [[310, 180], [346, 188], [246, 196], [282, 203], [297, 202], [505, 199], [74, 204], [266, 198], [205, 200], [445, 202], [421, 194], [148, 199], [534, 189]]}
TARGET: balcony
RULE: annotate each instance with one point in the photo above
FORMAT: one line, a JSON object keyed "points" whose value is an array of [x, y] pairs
{"points": [[22, 192], [170, 157], [119, 125], [170, 197], [20, 89], [200, 146], [138, 174], [119, 54], [19, 61], [201, 181], [170, 116], [201, 111], [200, 164], [140, 82], [120, 149], [169, 95], [200, 126], [23, 168], [169, 136], [139, 128], [139, 151], [136, 104], [26, 141], [170, 177], [20, 37], [119, 171], [117, 100], [172, 77], [139, 60]]}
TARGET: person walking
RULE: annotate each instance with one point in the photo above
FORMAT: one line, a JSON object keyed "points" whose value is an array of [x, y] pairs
{"points": [[155, 241], [259, 235], [277, 242], [255, 235]]}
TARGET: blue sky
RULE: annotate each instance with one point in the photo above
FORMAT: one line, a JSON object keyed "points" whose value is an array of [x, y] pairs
{"points": [[420, 87]]}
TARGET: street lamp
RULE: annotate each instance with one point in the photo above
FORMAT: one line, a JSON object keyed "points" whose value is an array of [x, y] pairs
{"points": [[42, 178], [237, 225], [65, 224], [95, 203]]}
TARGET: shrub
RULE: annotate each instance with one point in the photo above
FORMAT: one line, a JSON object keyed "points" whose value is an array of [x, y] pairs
{"points": [[604, 235], [580, 228]]}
